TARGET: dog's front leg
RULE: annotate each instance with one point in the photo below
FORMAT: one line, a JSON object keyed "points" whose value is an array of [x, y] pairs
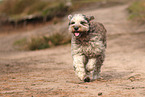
{"points": [[78, 63], [91, 64]]}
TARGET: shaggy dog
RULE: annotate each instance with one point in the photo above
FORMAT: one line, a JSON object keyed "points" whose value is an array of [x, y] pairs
{"points": [[88, 46]]}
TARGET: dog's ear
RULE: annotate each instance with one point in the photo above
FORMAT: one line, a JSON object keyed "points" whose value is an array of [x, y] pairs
{"points": [[90, 18], [70, 17]]}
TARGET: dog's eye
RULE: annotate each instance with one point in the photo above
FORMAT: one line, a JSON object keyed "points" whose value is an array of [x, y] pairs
{"points": [[82, 22], [72, 23]]}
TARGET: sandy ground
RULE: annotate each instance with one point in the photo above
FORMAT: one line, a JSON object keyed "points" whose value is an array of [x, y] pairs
{"points": [[49, 72]]}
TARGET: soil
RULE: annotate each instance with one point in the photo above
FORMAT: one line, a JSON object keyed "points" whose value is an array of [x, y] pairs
{"points": [[49, 72]]}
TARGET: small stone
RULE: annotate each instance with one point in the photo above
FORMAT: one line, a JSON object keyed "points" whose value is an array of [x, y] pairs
{"points": [[132, 87], [100, 93]]}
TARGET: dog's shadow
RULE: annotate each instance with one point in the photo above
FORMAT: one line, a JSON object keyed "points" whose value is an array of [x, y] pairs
{"points": [[114, 75], [106, 76], [109, 76]]}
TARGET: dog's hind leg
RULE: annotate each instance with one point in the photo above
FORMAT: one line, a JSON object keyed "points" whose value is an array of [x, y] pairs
{"points": [[96, 72]]}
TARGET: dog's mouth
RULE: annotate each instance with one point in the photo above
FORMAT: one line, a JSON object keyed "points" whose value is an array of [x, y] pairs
{"points": [[77, 34]]}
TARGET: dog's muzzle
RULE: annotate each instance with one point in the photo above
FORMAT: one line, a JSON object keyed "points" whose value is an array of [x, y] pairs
{"points": [[76, 31]]}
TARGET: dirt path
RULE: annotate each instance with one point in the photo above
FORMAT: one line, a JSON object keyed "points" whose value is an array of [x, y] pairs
{"points": [[49, 73]]}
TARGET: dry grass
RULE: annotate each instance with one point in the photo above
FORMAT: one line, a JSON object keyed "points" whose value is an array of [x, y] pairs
{"points": [[37, 43], [20, 8], [137, 11]]}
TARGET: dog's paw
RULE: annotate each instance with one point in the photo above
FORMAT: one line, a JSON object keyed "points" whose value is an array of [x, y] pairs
{"points": [[87, 79]]}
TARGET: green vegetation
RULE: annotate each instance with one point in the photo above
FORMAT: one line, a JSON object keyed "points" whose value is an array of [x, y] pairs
{"points": [[26, 7], [21, 10], [43, 42], [22, 43], [137, 11], [18, 9], [86, 1], [20, 6]]}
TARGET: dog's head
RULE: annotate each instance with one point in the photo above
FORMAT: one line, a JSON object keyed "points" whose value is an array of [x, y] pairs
{"points": [[79, 24]]}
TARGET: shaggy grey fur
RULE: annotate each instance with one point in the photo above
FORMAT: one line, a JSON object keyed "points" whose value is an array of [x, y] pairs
{"points": [[88, 50]]}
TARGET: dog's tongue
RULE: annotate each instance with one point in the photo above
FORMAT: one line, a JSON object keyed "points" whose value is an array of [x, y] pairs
{"points": [[77, 34]]}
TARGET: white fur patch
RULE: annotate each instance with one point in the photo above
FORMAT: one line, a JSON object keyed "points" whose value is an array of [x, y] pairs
{"points": [[79, 21]]}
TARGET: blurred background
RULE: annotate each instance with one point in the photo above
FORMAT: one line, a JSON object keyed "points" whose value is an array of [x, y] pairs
{"points": [[26, 15], [35, 49]]}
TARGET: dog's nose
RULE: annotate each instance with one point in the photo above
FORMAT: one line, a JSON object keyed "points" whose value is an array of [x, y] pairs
{"points": [[76, 28]]}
